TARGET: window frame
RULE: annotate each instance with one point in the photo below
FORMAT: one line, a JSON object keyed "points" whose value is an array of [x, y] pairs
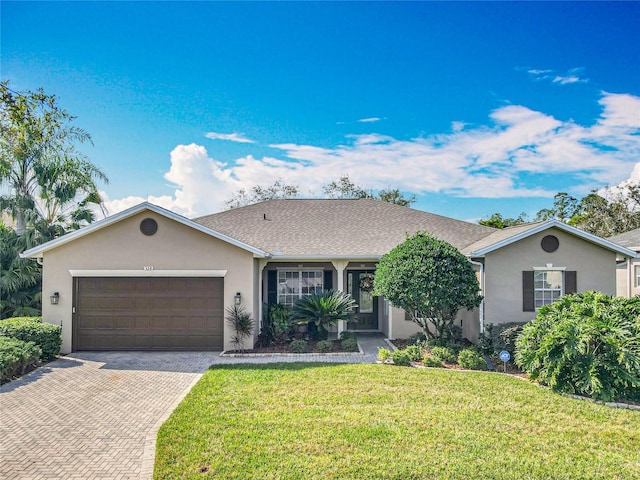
{"points": [[299, 290], [548, 290]]}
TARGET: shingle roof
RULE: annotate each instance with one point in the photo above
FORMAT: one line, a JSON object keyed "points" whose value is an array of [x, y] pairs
{"points": [[499, 235], [630, 239], [336, 227]]}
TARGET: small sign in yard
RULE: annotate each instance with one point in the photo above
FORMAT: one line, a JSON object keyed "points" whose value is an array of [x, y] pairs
{"points": [[505, 357]]}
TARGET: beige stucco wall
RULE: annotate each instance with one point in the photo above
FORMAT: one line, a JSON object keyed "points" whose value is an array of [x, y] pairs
{"points": [[626, 279], [121, 246], [595, 267]]}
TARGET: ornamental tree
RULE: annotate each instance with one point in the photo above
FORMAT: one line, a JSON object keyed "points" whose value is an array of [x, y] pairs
{"points": [[431, 280]]}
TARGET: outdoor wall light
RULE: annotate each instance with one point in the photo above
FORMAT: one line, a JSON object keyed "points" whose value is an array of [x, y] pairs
{"points": [[237, 298], [55, 298]]}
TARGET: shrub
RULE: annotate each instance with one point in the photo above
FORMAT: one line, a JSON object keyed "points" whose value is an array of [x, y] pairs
{"points": [[587, 344], [444, 354], [279, 324], [324, 346], [469, 358], [434, 362], [416, 338], [350, 344], [347, 334], [401, 358], [324, 309], [498, 337], [415, 353], [384, 354], [241, 323], [16, 356], [32, 329], [298, 346]]}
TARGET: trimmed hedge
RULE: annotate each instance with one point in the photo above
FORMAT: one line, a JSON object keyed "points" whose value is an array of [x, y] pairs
{"points": [[16, 356], [32, 329]]}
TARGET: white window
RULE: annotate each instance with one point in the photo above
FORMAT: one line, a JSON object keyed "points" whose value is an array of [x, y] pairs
{"points": [[548, 286], [637, 275], [294, 284]]}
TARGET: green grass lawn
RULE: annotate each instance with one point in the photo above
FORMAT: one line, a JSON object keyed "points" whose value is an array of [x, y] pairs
{"points": [[311, 421]]}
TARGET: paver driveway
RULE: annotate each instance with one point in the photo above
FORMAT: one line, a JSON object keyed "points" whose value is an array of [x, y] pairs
{"points": [[93, 415]]}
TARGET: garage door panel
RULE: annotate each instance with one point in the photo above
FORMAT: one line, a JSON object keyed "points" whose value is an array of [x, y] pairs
{"points": [[149, 314]]}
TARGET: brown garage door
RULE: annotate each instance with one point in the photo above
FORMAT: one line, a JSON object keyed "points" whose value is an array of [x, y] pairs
{"points": [[148, 313]]}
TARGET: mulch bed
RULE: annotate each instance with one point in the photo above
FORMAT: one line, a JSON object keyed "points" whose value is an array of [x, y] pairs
{"points": [[311, 348]]}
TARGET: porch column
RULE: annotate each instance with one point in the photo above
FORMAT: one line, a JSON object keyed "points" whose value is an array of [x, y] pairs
{"points": [[340, 266], [262, 262]]}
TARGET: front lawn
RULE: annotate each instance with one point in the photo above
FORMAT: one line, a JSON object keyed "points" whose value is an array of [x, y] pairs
{"points": [[303, 421]]}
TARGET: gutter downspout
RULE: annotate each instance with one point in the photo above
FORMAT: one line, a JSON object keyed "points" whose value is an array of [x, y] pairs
{"points": [[481, 265], [630, 278]]}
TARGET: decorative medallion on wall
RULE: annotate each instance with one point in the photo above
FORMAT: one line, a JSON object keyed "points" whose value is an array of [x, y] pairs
{"points": [[550, 243], [148, 226]]}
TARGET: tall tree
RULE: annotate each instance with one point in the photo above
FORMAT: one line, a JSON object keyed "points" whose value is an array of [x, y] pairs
{"points": [[279, 189], [498, 221], [564, 208], [345, 188], [40, 164]]}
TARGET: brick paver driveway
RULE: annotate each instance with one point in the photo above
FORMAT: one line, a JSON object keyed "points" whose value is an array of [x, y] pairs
{"points": [[92, 415]]}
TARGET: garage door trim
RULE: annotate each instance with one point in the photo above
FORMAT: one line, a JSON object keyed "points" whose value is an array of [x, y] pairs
{"points": [[148, 272]]}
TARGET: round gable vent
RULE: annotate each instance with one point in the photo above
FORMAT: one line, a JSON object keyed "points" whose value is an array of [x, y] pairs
{"points": [[148, 226], [550, 243]]}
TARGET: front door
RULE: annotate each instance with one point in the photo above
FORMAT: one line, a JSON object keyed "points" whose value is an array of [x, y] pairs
{"points": [[359, 285]]}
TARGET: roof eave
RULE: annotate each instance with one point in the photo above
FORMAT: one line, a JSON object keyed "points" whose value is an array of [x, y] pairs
{"points": [[37, 252], [562, 226]]}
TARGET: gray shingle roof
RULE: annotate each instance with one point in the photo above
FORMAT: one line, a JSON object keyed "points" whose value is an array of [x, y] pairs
{"points": [[498, 236], [336, 227], [630, 239]]}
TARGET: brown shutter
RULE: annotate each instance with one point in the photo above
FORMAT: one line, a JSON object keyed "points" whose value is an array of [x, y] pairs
{"points": [[528, 301], [570, 282]]}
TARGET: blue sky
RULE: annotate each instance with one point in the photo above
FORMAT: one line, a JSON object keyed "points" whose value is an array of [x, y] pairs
{"points": [[474, 107]]}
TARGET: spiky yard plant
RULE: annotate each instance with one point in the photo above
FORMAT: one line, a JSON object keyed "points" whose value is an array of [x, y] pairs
{"points": [[241, 324], [324, 309]]}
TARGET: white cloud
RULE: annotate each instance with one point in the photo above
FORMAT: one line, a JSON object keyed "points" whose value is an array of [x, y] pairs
{"points": [[231, 137], [499, 160], [571, 76], [369, 120]]}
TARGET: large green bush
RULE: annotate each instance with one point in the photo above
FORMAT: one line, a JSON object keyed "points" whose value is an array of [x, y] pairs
{"points": [[587, 344], [32, 329], [16, 356], [471, 359]]}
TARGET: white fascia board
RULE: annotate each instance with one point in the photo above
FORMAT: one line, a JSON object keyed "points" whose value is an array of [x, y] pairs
{"points": [[561, 226], [148, 273], [39, 250]]}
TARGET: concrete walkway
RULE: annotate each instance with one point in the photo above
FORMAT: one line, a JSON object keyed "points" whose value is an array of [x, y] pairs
{"points": [[95, 415]]}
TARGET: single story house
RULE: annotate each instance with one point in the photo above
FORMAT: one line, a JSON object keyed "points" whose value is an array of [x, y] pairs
{"points": [[628, 269], [147, 278]]}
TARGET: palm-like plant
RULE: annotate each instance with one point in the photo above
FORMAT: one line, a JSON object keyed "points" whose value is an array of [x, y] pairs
{"points": [[324, 309]]}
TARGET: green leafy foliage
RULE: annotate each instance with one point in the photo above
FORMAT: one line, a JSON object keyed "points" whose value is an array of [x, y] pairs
{"points": [[16, 356], [298, 346], [401, 358], [416, 339], [33, 329], [434, 362], [471, 359], [444, 354], [349, 344], [324, 309], [498, 337], [431, 280], [241, 325], [587, 344], [415, 353], [279, 325], [384, 354], [324, 346], [498, 221]]}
